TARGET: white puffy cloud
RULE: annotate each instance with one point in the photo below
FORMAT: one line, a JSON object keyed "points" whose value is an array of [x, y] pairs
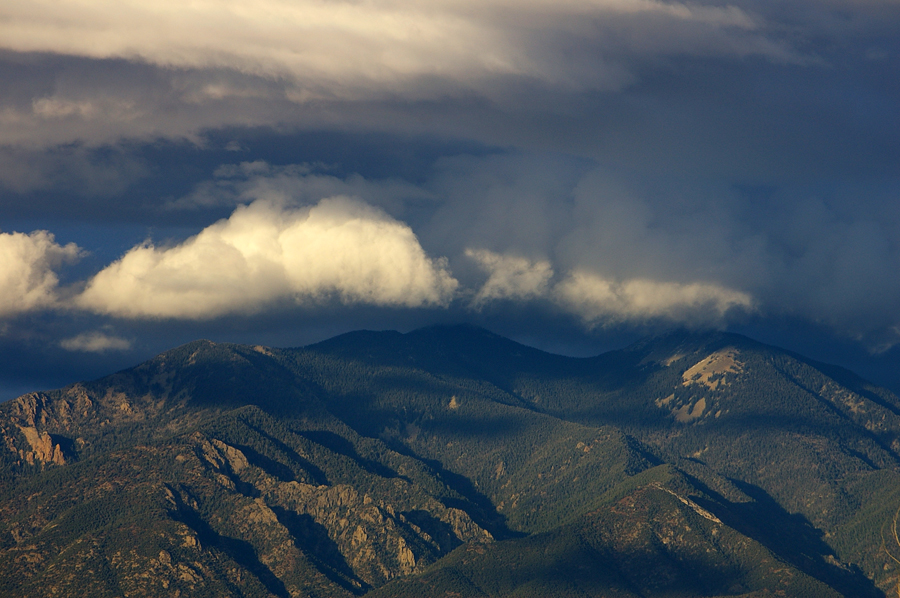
{"points": [[28, 279], [598, 300], [511, 277], [264, 253], [95, 342]]}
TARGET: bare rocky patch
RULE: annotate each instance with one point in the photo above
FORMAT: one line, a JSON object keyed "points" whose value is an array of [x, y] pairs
{"points": [[711, 370]]}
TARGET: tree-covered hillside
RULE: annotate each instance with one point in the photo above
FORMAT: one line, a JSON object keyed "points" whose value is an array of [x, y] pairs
{"points": [[451, 460]]}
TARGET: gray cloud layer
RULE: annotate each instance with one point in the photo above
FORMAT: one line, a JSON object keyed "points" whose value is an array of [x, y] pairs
{"points": [[354, 49], [94, 72]]}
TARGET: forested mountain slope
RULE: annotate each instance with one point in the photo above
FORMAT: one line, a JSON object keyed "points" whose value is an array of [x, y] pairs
{"points": [[450, 459]]}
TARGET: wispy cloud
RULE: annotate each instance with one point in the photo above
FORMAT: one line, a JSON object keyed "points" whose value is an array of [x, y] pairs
{"points": [[339, 48], [296, 184], [95, 342]]}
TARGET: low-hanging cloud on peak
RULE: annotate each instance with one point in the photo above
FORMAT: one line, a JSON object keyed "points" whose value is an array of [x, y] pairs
{"points": [[600, 301], [624, 248], [266, 253]]}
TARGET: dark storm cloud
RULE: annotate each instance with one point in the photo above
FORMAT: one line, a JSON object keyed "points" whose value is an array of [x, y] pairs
{"points": [[829, 253]]}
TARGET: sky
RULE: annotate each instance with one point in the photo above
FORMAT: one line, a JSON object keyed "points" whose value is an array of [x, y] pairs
{"points": [[572, 174]]}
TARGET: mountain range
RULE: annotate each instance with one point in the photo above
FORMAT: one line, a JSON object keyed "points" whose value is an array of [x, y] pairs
{"points": [[450, 461]]}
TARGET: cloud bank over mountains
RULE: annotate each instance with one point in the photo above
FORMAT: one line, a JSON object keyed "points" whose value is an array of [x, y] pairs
{"points": [[341, 249], [587, 245], [567, 168]]}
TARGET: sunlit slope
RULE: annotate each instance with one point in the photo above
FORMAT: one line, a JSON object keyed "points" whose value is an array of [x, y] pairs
{"points": [[453, 455], [809, 438], [649, 538], [205, 436]]}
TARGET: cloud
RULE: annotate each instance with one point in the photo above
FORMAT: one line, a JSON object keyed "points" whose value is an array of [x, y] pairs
{"points": [[511, 204], [601, 301], [563, 234], [242, 183], [511, 277], [28, 279], [598, 300], [345, 48], [265, 253], [100, 71], [625, 247], [72, 168], [95, 342]]}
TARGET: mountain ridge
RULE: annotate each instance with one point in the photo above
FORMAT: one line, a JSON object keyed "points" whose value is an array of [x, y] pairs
{"points": [[376, 456]]}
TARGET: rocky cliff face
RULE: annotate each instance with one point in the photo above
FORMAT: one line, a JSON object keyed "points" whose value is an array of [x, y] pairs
{"points": [[204, 515]]}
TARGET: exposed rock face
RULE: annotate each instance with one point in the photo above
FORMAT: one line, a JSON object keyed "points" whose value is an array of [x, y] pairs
{"points": [[222, 524], [709, 371], [42, 447], [374, 536], [32, 409], [28, 418], [378, 541]]}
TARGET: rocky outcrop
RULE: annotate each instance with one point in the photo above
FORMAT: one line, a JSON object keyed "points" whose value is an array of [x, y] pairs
{"points": [[373, 538], [42, 447]]}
